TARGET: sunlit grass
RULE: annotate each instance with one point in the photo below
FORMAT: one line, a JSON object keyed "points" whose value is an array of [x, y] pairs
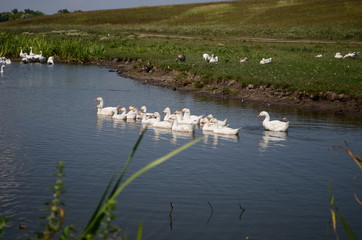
{"points": [[287, 19]]}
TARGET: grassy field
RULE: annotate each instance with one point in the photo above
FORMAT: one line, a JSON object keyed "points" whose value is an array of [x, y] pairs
{"points": [[221, 28]]}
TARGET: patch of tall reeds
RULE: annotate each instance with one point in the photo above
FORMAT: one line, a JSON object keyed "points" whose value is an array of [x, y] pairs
{"points": [[67, 49], [336, 215]]}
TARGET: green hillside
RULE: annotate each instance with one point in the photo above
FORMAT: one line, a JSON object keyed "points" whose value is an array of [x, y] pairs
{"points": [[230, 30], [287, 19]]}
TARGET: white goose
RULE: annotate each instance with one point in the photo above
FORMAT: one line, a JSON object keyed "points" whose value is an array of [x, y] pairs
{"points": [[146, 119], [265, 60], [22, 54], [275, 125], [144, 110], [207, 126], [50, 61], [187, 115], [2, 68], [181, 120], [214, 120], [41, 58], [214, 59], [160, 124], [132, 113], [187, 128], [206, 57], [338, 55], [118, 116], [31, 54], [226, 130], [168, 117], [108, 111]]}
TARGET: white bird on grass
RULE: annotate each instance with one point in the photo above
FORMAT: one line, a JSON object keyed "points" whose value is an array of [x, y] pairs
{"points": [[206, 57], [214, 59], [338, 55], [265, 60], [50, 61]]}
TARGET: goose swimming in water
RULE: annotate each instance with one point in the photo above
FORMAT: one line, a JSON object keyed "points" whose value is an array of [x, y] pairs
{"points": [[108, 111], [50, 61], [168, 117], [161, 124], [118, 116], [275, 125]]}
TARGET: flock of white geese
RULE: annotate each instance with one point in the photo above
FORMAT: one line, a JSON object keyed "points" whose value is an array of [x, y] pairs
{"points": [[182, 120], [35, 57]]}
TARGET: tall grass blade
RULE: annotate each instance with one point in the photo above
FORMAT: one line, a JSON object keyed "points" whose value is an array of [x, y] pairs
{"points": [[97, 224], [335, 214], [94, 223], [139, 232]]}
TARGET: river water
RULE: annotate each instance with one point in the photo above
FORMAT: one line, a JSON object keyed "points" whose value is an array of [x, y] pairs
{"points": [[48, 115]]}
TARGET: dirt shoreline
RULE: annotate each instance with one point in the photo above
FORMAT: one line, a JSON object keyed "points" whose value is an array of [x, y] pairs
{"points": [[328, 102]]}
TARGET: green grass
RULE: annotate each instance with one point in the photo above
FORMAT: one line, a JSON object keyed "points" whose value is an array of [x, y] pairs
{"points": [[288, 19], [219, 28]]}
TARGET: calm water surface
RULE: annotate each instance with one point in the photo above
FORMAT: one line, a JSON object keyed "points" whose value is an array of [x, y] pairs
{"points": [[48, 115]]}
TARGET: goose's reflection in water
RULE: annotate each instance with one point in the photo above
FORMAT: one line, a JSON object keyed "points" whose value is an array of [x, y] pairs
{"points": [[213, 138], [176, 135], [161, 133], [119, 123], [173, 136], [271, 139]]}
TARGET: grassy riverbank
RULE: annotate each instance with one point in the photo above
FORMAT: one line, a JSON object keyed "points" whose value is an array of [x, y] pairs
{"points": [[226, 29]]}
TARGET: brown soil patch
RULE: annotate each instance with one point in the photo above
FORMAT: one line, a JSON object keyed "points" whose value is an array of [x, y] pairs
{"points": [[328, 102]]}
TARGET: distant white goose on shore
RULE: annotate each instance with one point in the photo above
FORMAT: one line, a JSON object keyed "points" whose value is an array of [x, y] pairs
{"points": [[338, 55], [275, 125], [214, 59], [22, 54], [265, 60], [351, 55], [50, 61], [206, 57], [245, 59]]}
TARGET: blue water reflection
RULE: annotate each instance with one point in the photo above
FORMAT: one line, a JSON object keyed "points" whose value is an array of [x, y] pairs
{"points": [[48, 114]]}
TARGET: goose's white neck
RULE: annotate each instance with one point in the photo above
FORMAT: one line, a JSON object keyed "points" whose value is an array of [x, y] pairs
{"points": [[101, 103]]}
